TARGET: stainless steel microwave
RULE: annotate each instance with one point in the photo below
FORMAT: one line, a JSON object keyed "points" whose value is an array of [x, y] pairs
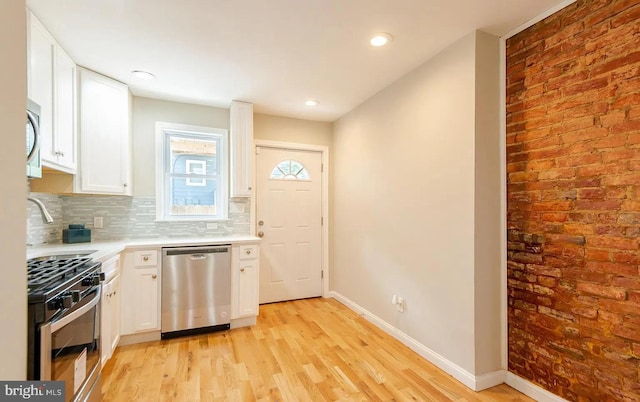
{"points": [[34, 164]]}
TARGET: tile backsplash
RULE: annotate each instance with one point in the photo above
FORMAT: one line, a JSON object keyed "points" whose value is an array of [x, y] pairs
{"points": [[39, 232], [123, 218]]}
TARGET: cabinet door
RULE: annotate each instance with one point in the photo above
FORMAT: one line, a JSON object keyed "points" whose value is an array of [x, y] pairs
{"points": [[241, 128], [104, 135], [114, 317], [247, 289], [40, 87], [65, 116], [145, 300], [105, 322]]}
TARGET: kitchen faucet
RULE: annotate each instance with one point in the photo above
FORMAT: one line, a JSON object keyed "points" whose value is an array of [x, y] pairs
{"points": [[46, 217]]}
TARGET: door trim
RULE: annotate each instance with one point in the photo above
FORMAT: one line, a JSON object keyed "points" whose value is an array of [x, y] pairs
{"points": [[324, 153]]}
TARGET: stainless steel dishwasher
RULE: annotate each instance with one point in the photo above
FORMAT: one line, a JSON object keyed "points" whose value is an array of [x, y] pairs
{"points": [[196, 290]]}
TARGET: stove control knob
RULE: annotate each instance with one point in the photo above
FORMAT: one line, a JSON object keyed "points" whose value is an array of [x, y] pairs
{"points": [[66, 301], [75, 296], [93, 280]]}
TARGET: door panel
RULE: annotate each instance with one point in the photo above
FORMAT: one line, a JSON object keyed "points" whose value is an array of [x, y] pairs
{"points": [[289, 207]]}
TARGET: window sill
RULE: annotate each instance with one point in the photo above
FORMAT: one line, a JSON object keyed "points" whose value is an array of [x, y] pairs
{"points": [[194, 220]]}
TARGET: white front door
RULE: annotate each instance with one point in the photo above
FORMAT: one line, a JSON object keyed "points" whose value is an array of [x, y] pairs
{"points": [[288, 217]]}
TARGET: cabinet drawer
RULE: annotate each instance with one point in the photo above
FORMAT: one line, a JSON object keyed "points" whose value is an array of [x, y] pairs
{"points": [[248, 252], [111, 267], [145, 258]]}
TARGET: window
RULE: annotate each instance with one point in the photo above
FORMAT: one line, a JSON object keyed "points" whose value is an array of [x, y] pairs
{"points": [[289, 170], [191, 172]]}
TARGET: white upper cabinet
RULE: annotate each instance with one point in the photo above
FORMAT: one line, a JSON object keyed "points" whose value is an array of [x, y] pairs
{"points": [[51, 84], [104, 135], [241, 128], [64, 112]]}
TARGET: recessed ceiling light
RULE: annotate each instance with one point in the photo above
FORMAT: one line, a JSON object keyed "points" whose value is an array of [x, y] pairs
{"points": [[311, 102], [143, 75], [380, 39]]}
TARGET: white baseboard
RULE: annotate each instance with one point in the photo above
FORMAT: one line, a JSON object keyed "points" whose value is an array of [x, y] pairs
{"points": [[476, 383], [243, 322], [149, 336], [532, 390]]}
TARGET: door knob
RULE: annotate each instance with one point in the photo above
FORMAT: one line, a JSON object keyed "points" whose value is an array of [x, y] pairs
{"points": [[260, 234]]}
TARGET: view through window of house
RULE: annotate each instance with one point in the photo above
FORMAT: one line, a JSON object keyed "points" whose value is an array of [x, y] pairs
{"points": [[194, 178], [289, 170]]}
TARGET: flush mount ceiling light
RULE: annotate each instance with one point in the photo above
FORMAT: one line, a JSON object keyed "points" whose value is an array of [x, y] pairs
{"points": [[311, 102], [143, 75], [380, 39]]}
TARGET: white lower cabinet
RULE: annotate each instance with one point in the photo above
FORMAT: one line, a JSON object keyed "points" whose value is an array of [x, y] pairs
{"points": [[110, 320], [245, 277], [140, 292]]}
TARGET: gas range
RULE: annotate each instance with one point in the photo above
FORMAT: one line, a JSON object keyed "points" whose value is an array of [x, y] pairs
{"points": [[63, 322], [47, 279]]}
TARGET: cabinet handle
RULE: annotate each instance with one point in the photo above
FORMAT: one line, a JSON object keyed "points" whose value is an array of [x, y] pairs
{"points": [[241, 269], [62, 154], [249, 188], [154, 276], [248, 251], [124, 185], [145, 258]]}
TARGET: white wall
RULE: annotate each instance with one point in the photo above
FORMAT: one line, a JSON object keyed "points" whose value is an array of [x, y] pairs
{"points": [[286, 129], [404, 184], [13, 197], [146, 112], [488, 296]]}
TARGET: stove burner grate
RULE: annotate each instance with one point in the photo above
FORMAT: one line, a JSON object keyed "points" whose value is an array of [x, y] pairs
{"points": [[45, 272]]}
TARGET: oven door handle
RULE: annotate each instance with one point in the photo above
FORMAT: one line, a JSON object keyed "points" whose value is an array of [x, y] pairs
{"points": [[49, 328]]}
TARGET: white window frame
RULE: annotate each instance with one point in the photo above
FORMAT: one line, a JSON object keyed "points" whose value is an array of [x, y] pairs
{"points": [[163, 131]]}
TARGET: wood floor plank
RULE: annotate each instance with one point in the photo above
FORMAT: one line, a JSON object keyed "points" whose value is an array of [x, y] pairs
{"points": [[305, 350]]}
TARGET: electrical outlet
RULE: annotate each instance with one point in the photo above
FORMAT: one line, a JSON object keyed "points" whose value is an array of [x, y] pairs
{"points": [[212, 225], [97, 222], [394, 299], [400, 305]]}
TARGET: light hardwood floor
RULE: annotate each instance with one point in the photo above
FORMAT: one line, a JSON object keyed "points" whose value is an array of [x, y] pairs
{"points": [[305, 350]]}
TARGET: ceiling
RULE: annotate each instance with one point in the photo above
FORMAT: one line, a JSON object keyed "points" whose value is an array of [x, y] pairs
{"points": [[273, 53]]}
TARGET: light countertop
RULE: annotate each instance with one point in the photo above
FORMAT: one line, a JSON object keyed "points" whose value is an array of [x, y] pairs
{"points": [[103, 250]]}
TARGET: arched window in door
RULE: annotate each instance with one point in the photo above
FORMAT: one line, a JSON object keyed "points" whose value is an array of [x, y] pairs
{"points": [[289, 170]]}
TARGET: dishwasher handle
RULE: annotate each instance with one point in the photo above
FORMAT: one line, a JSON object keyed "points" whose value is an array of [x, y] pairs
{"points": [[197, 253], [197, 257]]}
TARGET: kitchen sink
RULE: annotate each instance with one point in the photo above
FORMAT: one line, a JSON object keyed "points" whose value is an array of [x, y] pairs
{"points": [[64, 256]]}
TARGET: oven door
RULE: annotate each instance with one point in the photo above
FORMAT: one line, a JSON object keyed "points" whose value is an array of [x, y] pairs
{"points": [[70, 348]]}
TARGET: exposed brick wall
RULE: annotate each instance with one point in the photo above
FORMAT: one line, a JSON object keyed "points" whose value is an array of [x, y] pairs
{"points": [[573, 165]]}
